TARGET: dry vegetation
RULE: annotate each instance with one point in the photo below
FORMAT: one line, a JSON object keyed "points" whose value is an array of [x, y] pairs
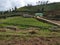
{"points": [[30, 41]]}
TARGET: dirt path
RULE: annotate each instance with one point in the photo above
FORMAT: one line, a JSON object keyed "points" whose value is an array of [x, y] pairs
{"points": [[56, 21], [48, 21]]}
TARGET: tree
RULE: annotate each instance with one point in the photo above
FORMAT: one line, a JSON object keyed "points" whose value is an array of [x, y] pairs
{"points": [[29, 5], [38, 3], [42, 4], [15, 8], [47, 2]]}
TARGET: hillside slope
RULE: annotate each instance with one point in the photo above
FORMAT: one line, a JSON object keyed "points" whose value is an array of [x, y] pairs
{"points": [[51, 6]]}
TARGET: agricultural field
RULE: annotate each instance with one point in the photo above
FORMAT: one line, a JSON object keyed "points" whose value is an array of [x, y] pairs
{"points": [[19, 30], [24, 22], [25, 25]]}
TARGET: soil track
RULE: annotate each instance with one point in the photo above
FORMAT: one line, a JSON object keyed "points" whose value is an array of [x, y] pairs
{"points": [[56, 21], [31, 41]]}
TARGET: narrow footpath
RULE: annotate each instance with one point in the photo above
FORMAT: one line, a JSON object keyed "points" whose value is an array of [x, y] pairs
{"points": [[48, 21]]}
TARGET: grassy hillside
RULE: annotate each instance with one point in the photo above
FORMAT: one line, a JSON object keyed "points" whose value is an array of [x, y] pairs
{"points": [[51, 6], [18, 30], [38, 32]]}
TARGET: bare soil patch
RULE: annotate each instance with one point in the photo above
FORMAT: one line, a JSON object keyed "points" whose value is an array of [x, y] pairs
{"points": [[32, 41]]}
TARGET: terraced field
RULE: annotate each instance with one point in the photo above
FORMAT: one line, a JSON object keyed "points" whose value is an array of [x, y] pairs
{"points": [[27, 31]]}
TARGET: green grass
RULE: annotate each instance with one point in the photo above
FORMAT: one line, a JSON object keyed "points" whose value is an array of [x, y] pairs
{"points": [[24, 22]]}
